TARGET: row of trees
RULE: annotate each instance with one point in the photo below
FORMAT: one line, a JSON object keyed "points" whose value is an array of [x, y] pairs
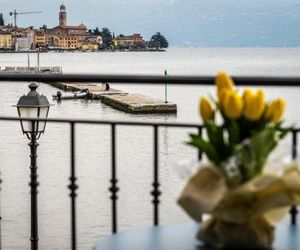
{"points": [[157, 41]]}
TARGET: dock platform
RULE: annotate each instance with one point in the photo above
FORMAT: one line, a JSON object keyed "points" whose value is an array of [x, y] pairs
{"points": [[137, 103], [96, 90], [130, 103]]}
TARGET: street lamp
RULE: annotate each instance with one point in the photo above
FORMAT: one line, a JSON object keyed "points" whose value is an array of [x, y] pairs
{"points": [[33, 106]]}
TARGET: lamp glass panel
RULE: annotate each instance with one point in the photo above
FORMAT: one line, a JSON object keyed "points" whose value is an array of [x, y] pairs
{"points": [[43, 115], [26, 112]]}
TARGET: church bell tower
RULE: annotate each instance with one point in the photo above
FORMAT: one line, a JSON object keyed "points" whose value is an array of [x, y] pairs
{"points": [[63, 16]]}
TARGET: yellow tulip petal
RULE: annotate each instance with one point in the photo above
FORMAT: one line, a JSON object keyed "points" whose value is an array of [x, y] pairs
{"points": [[254, 105], [279, 107], [206, 109], [233, 105], [222, 96], [268, 112], [248, 93], [275, 111], [260, 99], [224, 83]]}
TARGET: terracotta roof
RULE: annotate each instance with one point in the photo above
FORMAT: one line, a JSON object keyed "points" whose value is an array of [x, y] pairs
{"points": [[56, 27], [76, 27], [70, 27], [130, 37], [2, 32]]}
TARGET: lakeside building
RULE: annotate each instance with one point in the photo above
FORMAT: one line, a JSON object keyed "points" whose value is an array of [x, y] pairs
{"points": [[21, 38], [40, 38], [71, 37], [63, 37], [131, 41], [6, 40], [67, 42], [89, 46], [25, 40]]}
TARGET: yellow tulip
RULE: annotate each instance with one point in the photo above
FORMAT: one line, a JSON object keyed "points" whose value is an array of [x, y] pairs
{"points": [[224, 83], [206, 109], [233, 105], [222, 94], [248, 94], [268, 113], [275, 111], [254, 104]]}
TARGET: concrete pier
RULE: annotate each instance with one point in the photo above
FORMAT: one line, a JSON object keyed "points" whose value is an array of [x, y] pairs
{"points": [[96, 90], [130, 103], [137, 103]]}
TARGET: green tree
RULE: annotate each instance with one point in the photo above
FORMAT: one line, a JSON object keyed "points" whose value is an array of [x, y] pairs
{"points": [[96, 31], [44, 27], [1, 19], [159, 41], [106, 38]]}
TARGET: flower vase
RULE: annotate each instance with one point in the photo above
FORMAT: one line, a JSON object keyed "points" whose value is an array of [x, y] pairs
{"points": [[254, 234], [244, 216]]}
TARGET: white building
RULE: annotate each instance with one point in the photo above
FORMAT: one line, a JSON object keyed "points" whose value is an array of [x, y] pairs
{"points": [[25, 41]]}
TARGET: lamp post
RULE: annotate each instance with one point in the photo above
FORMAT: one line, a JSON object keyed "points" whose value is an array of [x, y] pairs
{"points": [[33, 105]]}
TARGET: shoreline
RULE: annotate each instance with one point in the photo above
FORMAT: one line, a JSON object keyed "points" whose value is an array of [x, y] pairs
{"points": [[78, 51]]}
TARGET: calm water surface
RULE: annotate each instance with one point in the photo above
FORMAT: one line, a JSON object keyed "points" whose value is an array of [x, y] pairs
{"points": [[134, 145]]}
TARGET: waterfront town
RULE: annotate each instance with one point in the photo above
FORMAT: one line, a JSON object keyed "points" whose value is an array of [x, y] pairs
{"points": [[65, 37]]}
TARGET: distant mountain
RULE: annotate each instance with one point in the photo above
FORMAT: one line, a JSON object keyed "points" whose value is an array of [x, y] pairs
{"points": [[232, 23], [206, 23]]}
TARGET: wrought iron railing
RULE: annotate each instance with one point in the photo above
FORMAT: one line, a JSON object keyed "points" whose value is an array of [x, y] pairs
{"points": [[114, 188]]}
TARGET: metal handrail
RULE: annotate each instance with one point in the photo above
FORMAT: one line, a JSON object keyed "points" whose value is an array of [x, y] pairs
{"points": [[112, 122], [152, 79], [107, 122]]}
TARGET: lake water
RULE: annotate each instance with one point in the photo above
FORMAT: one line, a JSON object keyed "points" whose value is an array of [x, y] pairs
{"points": [[134, 145]]}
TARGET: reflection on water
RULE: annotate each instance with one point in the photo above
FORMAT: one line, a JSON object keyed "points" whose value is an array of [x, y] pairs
{"points": [[134, 144]]}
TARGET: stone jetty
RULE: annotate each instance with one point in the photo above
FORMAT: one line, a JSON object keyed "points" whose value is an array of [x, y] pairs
{"points": [[131, 103]]}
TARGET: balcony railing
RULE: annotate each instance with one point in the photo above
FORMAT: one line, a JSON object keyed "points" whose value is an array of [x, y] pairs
{"points": [[129, 79]]}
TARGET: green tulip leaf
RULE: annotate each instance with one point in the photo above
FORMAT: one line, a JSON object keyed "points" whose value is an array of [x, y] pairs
{"points": [[253, 152], [234, 133], [204, 146]]}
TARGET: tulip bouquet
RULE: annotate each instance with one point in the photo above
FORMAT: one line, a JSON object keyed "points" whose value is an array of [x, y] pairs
{"points": [[248, 124], [244, 201]]}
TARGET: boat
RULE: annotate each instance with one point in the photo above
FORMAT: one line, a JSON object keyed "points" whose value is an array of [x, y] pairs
{"points": [[67, 96]]}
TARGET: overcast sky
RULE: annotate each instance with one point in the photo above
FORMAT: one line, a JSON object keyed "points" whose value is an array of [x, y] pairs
{"points": [[248, 23]]}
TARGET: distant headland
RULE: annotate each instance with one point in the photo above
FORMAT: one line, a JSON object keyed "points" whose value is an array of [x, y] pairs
{"points": [[72, 38]]}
